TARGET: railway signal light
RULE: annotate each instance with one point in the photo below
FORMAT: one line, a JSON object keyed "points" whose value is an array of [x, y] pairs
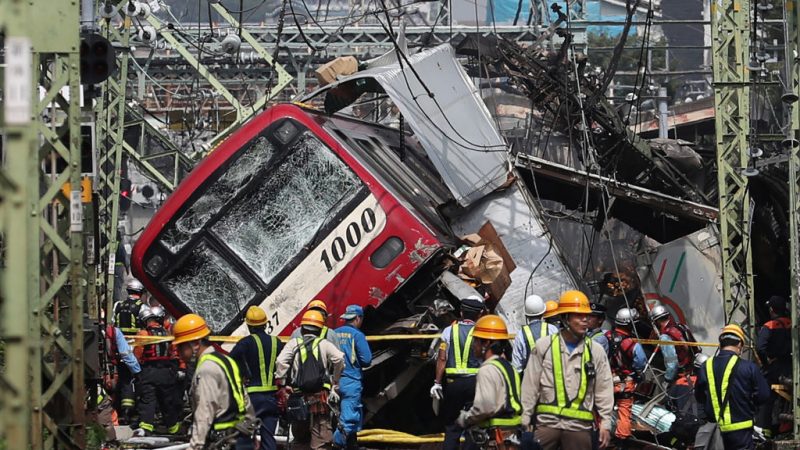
{"points": [[98, 60]]}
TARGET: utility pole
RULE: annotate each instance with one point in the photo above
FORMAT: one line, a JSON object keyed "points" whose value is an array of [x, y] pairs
{"points": [[43, 289], [730, 33]]}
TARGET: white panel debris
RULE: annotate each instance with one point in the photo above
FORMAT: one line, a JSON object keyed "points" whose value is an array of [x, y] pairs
{"points": [[271, 224], [251, 161], [210, 286], [452, 123]]}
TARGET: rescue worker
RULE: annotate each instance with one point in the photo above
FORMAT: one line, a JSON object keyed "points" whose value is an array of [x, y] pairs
{"points": [[357, 356], [220, 404], [689, 414], [496, 408], [677, 358], [551, 313], [256, 355], [528, 335], [135, 290], [126, 314], [596, 319], [567, 379], [326, 333], [682, 391], [628, 361], [774, 348], [457, 365], [124, 362], [731, 388], [157, 387], [316, 433]]}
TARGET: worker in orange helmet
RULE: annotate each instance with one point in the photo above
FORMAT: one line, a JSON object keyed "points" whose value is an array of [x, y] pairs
{"points": [[220, 402], [567, 383], [325, 333]]}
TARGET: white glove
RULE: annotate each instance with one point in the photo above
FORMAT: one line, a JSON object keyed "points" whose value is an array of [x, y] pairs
{"points": [[333, 396], [436, 391]]}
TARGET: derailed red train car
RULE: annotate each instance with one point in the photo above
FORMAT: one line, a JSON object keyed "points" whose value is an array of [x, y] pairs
{"points": [[296, 205]]}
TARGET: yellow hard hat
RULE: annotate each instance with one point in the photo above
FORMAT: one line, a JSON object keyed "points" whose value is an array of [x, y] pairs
{"points": [[490, 327], [255, 316], [551, 309], [189, 327], [732, 329], [313, 318], [574, 302], [318, 304]]}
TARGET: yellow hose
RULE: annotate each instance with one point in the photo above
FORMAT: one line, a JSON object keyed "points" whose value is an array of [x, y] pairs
{"points": [[383, 436]]}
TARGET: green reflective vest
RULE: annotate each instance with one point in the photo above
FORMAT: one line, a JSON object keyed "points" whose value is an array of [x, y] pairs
{"points": [[458, 353], [237, 407], [544, 330], [718, 397], [511, 416], [266, 371], [561, 407]]}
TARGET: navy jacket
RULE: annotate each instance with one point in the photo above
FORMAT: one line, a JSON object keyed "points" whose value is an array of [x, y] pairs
{"points": [[774, 340], [747, 387], [245, 352]]}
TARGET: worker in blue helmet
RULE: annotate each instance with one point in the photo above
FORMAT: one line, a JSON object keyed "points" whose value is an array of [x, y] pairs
{"points": [[357, 356]]}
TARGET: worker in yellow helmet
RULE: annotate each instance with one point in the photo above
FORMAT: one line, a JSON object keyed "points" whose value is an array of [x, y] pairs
{"points": [[220, 404], [308, 370], [495, 414], [567, 381], [731, 390], [326, 333], [256, 355]]}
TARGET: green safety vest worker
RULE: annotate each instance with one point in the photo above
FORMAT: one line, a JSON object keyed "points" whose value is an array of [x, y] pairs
{"points": [[303, 350], [512, 413], [530, 338], [263, 348], [562, 407], [460, 361], [723, 417], [237, 407]]}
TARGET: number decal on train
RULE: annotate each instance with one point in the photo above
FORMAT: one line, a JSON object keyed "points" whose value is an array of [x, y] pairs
{"points": [[272, 323], [353, 233]]}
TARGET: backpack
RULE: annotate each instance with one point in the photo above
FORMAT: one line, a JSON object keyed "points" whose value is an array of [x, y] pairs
{"points": [[311, 376], [688, 337]]}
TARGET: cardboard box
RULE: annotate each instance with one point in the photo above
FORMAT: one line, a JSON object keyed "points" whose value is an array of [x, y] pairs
{"points": [[330, 71]]}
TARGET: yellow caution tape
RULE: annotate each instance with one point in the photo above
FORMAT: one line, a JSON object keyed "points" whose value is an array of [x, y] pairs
{"points": [[660, 342], [137, 340]]}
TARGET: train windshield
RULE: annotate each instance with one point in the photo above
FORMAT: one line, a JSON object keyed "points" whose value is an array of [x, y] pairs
{"points": [[256, 217]]}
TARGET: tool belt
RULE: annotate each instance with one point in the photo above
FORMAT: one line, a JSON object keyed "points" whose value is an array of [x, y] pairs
{"points": [[300, 407], [499, 438], [226, 439]]}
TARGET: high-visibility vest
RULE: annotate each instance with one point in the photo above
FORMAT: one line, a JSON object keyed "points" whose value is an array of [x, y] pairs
{"points": [[530, 335], [511, 415], [458, 360], [303, 349], [723, 418], [266, 370], [236, 406], [561, 407]]}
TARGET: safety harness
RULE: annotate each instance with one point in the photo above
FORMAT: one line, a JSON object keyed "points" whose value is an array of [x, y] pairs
{"points": [[236, 407], [156, 353], [560, 407], [511, 415], [267, 373], [723, 413], [458, 353]]}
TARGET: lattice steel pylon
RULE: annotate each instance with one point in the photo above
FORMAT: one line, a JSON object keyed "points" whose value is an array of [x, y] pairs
{"points": [[730, 32], [43, 289], [792, 144]]}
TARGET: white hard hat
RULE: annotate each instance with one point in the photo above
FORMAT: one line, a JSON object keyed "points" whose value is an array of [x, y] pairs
{"points": [[658, 312], [158, 311], [626, 316], [146, 313], [534, 306], [135, 286]]}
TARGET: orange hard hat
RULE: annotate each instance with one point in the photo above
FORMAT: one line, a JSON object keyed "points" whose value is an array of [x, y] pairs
{"points": [[255, 316], [318, 304], [732, 329], [190, 327], [551, 309], [490, 327], [313, 318], [574, 302]]}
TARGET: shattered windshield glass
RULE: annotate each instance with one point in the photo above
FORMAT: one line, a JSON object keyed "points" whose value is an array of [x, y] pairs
{"points": [[252, 161], [272, 223], [210, 286]]}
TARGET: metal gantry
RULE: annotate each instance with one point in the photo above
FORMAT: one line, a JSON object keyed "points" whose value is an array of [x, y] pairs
{"points": [[730, 31], [43, 289]]}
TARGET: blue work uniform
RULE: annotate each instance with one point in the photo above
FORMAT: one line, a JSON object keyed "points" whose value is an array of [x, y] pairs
{"points": [[255, 355], [357, 356], [745, 389], [525, 340], [670, 358], [599, 335]]}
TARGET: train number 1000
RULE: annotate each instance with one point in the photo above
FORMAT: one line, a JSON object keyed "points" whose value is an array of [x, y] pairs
{"points": [[353, 233]]}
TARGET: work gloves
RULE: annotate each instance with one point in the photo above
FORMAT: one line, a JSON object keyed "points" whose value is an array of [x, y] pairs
{"points": [[436, 391]]}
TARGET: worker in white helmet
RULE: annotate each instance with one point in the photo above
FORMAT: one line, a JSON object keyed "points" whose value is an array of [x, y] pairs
{"points": [[527, 336]]}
